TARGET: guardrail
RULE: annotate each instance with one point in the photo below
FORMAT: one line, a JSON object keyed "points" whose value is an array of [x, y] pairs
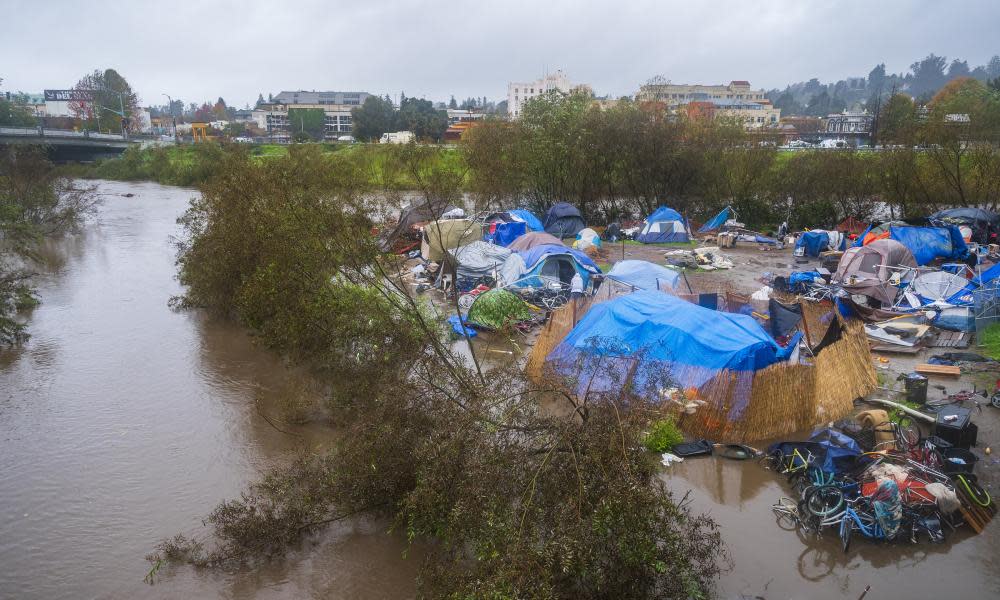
{"points": [[61, 133]]}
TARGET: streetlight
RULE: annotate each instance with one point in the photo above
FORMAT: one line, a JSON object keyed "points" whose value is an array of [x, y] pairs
{"points": [[170, 107], [120, 113]]}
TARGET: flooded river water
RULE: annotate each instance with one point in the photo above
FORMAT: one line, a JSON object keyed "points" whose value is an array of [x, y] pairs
{"points": [[122, 422]]}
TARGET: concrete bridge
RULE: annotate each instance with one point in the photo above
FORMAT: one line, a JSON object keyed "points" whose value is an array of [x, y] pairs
{"points": [[65, 145]]}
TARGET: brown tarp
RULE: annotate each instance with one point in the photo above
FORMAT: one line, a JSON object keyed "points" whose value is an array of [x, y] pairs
{"points": [[532, 239]]}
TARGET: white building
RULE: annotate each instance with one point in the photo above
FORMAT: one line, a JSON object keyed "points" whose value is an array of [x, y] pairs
{"points": [[519, 93]]}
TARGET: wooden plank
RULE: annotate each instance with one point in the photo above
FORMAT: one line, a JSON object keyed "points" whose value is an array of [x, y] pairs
{"points": [[894, 349], [927, 369]]}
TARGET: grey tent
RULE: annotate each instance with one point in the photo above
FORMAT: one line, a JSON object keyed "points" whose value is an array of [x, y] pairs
{"points": [[563, 220], [418, 212], [866, 270]]}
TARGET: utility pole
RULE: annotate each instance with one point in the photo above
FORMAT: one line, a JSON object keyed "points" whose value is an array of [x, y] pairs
{"points": [[170, 107]]}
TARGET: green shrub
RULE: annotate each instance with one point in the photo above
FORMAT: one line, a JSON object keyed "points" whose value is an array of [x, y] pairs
{"points": [[663, 435]]}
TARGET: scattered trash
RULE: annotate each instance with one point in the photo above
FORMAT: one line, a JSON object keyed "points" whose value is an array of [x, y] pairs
{"points": [[667, 459]]}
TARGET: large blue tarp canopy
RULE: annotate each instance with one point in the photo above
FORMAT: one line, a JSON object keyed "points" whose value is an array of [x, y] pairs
{"points": [[505, 233], [814, 242], [930, 243], [716, 222], [644, 275], [694, 343], [534, 224]]}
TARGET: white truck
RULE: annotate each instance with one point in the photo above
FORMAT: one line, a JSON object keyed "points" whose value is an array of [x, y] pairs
{"points": [[397, 137]]}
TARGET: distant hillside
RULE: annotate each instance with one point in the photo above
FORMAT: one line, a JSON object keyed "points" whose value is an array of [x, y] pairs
{"points": [[925, 77]]}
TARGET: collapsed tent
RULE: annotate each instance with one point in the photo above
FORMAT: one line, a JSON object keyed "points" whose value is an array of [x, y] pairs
{"points": [[717, 221], [866, 270], [563, 220], [417, 212], [529, 219], [663, 226], [440, 236], [587, 237], [812, 243], [693, 344], [984, 224], [644, 275], [482, 259], [496, 309], [533, 239], [551, 263]]}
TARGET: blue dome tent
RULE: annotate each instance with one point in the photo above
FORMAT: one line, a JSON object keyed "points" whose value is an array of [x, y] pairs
{"points": [[664, 225], [529, 219], [644, 275], [550, 263]]}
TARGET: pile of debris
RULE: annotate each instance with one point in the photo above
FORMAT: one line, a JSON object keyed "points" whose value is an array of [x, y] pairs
{"points": [[708, 258]]}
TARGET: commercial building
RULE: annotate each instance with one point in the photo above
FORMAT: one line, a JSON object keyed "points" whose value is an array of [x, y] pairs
{"points": [[336, 106], [753, 115], [852, 123], [518, 93], [675, 94]]}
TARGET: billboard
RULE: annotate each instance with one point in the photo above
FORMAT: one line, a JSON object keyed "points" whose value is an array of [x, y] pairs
{"points": [[69, 95]]}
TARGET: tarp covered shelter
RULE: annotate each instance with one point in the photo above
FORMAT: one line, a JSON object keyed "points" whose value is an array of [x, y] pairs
{"points": [[816, 241], [440, 236], [930, 243], [985, 224], [692, 343], [529, 218], [563, 220], [417, 212], [479, 259], [504, 234], [532, 239], [551, 263], [663, 226], [644, 275], [866, 270]]}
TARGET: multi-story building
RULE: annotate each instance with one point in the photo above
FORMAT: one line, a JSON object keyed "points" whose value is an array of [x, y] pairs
{"points": [[674, 94], [850, 123], [336, 106], [753, 115], [520, 93]]}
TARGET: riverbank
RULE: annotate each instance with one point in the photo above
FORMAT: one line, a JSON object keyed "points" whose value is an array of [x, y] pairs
{"points": [[191, 165]]}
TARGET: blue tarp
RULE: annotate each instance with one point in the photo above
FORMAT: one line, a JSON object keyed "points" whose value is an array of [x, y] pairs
{"points": [[644, 275], [716, 222], [660, 227], [930, 243], [458, 329], [505, 233], [533, 222], [692, 342], [814, 242], [798, 280]]}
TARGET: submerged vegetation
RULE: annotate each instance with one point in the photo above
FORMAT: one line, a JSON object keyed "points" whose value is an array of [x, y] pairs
{"points": [[35, 202], [515, 500]]}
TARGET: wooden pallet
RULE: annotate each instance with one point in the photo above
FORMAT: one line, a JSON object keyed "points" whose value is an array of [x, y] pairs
{"points": [[895, 349], [978, 517], [950, 339]]}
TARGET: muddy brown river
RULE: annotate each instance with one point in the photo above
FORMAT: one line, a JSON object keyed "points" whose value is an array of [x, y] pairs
{"points": [[122, 422]]}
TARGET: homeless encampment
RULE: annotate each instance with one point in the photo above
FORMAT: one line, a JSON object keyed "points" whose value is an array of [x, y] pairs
{"points": [[496, 309], [663, 226], [551, 263], [417, 212], [563, 220], [742, 382], [811, 243], [717, 221], [441, 236], [984, 225], [533, 239], [866, 270]]}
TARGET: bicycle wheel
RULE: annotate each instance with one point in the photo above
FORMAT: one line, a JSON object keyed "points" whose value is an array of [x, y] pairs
{"points": [[976, 492], [824, 500], [846, 529], [908, 432]]}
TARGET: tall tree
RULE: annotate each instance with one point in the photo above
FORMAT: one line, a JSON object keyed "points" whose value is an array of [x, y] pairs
{"points": [[876, 78], [307, 123], [958, 68], [260, 100], [113, 102], [993, 67], [928, 75], [373, 118], [420, 117], [452, 104]]}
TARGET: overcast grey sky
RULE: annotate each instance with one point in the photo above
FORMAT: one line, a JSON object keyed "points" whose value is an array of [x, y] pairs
{"points": [[236, 49]]}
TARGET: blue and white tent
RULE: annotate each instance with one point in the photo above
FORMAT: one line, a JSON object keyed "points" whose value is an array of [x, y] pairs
{"points": [[529, 218], [664, 225], [550, 263]]}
